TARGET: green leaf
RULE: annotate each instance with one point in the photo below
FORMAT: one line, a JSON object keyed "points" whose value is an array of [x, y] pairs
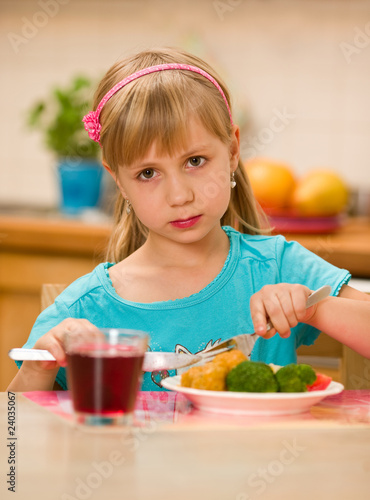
{"points": [[58, 117]]}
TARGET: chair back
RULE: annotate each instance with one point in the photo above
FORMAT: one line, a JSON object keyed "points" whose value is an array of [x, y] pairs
{"points": [[49, 292]]}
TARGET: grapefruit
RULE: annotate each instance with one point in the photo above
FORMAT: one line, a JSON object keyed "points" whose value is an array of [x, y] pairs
{"points": [[272, 182], [320, 193]]}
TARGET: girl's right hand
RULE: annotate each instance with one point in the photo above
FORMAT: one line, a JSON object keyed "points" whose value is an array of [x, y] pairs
{"points": [[40, 375], [53, 341]]}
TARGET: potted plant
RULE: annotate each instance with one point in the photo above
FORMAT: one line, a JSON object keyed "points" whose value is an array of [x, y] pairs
{"points": [[59, 118]]}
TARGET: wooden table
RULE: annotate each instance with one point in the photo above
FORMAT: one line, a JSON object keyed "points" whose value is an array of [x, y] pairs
{"points": [[324, 454]]}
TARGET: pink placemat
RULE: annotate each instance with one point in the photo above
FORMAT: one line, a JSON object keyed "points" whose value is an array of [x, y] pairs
{"points": [[170, 407], [58, 402], [350, 406], [157, 405]]}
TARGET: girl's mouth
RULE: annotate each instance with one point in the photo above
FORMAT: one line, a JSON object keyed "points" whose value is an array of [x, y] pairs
{"points": [[185, 223]]}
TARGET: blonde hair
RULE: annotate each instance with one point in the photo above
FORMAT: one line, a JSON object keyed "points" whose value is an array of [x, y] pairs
{"points": [[157, 108]]}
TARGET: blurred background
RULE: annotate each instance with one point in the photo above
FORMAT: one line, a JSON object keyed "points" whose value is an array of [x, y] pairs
{"points": [[298, 71]]}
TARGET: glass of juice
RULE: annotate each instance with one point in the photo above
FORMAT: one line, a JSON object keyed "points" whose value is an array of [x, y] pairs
{"points": [[104, 371]]}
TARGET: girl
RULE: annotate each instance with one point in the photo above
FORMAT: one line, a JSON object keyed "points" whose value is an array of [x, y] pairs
{"points": [[177, 268]]}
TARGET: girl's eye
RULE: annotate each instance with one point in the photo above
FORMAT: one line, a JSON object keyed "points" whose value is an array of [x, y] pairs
{"points": [[148, 173], [196, 161]]}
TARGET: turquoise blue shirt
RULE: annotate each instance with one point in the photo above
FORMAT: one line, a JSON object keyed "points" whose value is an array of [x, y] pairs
{"points": [[218, 312]]}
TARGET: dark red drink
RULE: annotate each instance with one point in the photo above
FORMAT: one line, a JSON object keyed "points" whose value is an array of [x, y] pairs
{"points": [[104, 381]]}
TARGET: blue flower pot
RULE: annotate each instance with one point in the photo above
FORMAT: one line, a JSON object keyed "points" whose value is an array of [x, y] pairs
{"points": [[80, 184]]}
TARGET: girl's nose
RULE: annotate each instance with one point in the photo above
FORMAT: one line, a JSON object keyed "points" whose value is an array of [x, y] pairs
{"points": [[179, 190]]}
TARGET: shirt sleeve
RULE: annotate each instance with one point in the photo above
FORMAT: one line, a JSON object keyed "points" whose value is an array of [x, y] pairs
{"points": [[296, 264]]}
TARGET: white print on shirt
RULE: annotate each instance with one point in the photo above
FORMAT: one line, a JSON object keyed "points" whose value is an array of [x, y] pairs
{"points": [[181, 349], [159, 375]]}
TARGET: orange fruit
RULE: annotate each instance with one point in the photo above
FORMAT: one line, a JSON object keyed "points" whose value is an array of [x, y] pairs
{"points": [[272, 182], [321, 192]]}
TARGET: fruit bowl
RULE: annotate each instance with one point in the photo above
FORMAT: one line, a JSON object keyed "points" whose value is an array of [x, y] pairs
{"points": [[315, 203], [289, 222]]}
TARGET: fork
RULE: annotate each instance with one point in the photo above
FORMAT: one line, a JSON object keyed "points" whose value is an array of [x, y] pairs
{"points": [[245, 341]]}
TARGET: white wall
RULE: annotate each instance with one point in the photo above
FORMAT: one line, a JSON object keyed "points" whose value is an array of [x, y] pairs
{"points": [[305, 60]]}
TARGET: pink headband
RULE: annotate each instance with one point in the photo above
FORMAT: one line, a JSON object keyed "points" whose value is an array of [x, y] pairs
{"points": [[91, 120]]}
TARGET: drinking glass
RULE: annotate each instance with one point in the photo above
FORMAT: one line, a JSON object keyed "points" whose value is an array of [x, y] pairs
{"points": [[104, 371]]}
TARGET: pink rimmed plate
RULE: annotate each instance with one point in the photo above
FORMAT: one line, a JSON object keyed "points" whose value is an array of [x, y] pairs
{"points": [[251, 403]]}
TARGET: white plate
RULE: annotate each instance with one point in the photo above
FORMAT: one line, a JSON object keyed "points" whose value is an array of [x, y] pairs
{"points": [[251, 403]]}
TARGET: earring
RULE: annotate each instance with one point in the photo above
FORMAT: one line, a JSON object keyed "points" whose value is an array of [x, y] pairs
{"points": [[128, 207], [232, 180]]}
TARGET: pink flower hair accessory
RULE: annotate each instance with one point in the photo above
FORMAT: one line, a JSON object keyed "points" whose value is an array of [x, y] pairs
{"points": [[92, 125], [91, 120]]}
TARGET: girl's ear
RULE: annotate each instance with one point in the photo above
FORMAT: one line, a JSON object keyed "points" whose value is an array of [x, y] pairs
{"points": [[114, 177], [234, 148], [107, 168]]}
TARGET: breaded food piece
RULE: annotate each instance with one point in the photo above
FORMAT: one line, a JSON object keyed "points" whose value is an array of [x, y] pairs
{"points": [[188, 376], [230, 358], [210, 377]]}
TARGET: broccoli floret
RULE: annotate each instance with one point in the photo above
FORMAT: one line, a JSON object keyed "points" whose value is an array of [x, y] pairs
{"points": [[251, 376], [306, 373], [295, 378]]}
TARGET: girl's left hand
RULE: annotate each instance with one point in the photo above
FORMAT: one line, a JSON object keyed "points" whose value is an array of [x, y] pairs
{"points": [[284, 305]]}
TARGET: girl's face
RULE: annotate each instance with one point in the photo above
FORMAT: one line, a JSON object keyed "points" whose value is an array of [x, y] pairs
{"points": [[184, 196]]}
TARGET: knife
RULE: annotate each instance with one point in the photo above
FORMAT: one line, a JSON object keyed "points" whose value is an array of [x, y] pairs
{"points": [[153, 361]]}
